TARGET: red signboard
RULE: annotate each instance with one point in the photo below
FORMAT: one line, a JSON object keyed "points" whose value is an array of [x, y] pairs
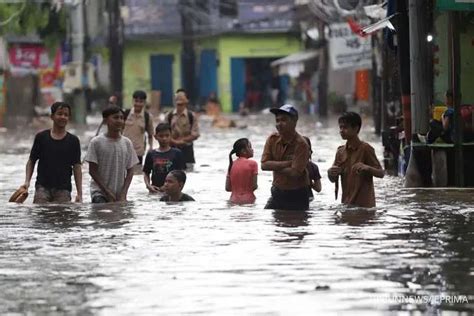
{"points": [[28, 56]]}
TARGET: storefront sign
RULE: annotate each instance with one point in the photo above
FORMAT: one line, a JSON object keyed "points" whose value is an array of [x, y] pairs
{"points": [[347, 50], [28, 56]]}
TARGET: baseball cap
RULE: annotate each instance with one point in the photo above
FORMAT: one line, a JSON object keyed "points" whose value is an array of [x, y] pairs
{"points": [[285, 109]]}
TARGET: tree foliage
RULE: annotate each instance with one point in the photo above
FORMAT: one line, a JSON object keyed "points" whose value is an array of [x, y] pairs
{"points": [[30, 17]]}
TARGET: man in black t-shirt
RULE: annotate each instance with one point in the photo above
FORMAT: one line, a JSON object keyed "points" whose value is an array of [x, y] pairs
{"points": [[59, 155]]}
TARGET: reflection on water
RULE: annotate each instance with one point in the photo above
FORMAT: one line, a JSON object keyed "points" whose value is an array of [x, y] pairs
{"points": [[144, 257]]}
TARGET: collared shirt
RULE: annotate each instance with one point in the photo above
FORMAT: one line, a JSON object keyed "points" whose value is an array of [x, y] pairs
{"points": [[357, 189], [180, 125], [295, 150], [135, 130]]}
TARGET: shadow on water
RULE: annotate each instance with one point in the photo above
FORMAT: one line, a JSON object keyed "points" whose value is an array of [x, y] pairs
{"points": [[291, 224]]}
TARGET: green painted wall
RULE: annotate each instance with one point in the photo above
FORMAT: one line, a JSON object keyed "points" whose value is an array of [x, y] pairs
{"points": [[137, 59], [258, 45], [441, 72], [136, 65]]}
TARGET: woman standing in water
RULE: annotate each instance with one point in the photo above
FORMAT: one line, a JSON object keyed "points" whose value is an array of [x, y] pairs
{"points": [[242, 173]]}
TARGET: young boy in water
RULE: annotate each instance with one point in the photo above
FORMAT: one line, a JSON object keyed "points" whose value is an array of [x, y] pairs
{"points": [[111, 159], [59, 155], [159, 162], [173, 187], [356, 163]]}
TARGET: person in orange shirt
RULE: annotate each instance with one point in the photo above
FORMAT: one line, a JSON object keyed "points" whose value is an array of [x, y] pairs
{"points": [[356, 163], [242, 173]]}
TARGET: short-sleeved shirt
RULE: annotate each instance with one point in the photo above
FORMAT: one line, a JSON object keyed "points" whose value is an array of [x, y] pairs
{"points": [[113, 157], [56, 159], [181, 125], [357, 189], [241, 178], [184, 198], [313, 174], [161, 163], [135, 130], [295, 150]]}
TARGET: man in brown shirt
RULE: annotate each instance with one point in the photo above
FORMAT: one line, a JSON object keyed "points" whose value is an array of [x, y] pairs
{"points": [[137, 122], [356, 163], [184, 128], [286, 153]]}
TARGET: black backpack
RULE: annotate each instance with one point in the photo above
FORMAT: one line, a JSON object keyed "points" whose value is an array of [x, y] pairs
{"points": [[169, 116], [147, 117]]}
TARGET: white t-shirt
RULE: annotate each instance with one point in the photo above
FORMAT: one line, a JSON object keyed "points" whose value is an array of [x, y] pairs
{"points": [[113, 157]]}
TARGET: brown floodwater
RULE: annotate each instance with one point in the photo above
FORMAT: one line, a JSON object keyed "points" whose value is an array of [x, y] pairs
{"points": [[414, 252]]}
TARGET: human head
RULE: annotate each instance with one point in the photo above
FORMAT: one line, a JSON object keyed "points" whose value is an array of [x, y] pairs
{"points": [[60, 113], [113, 118], [449, 98], [113, 100], [174, 182], [242, 148], [163, 134], [349, 124], [139, 100], [181, 100], [286, 118]]}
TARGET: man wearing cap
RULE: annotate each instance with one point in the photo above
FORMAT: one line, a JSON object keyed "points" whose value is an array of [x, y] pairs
{"points": [[184, 127], [286, 153]]}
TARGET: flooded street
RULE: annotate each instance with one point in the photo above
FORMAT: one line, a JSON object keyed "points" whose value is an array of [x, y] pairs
{"points": [[207, 257]]}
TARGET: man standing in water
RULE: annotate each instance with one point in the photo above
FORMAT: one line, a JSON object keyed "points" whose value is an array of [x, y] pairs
{"points": [[184, 128], [59, 155], [356, 163], [286, 153]]}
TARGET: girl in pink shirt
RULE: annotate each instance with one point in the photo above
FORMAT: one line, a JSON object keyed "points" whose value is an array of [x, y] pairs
{"points": [[242, 173]]}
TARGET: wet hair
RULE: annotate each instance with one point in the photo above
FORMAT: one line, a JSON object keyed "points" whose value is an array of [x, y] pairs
{"points": [[139, 94], [309, 144], [60, 105], [182, 91], [352, 119], [162, 127], [111, 110], [178, 175], [239, 145]]}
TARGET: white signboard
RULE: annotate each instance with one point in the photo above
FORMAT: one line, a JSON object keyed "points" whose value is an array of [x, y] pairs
{"points": [[347, 50]]}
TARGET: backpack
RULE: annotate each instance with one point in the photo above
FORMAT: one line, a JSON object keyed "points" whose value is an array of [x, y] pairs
{"points": [[169, 116], [147, 117]]}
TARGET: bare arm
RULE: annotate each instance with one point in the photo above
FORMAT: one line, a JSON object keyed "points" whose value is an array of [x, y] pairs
{"points": [[273, 165], [77, 169], [94, 173], [30, 168], [149, 186], [126, 185], [150, 142], [316, 185]]}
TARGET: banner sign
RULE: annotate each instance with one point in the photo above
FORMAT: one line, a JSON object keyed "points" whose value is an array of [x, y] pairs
{"points": [[28, 56], [347, 50]]}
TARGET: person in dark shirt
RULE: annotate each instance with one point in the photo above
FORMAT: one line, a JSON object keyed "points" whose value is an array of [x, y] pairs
{"points": [[162, 160], [313, 173], [174, 184], [59, 155]]}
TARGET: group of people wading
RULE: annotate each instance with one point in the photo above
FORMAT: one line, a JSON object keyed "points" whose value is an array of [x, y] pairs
{"points": [[113, 155]]}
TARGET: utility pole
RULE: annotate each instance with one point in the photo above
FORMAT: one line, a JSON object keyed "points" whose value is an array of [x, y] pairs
{"points": [[187, 55], [77, 26], [116, 48], [419, 66], [323, 72]]}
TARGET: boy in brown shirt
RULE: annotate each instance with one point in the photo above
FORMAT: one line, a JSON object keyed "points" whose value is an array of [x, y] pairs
{"points": [[286, 153], [356, 163]]}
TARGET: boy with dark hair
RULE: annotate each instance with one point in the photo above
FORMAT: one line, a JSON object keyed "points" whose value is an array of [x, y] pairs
{"points": [[173, 187], [59, 155], [111, 159], [162, 160], [184, 127], [356, 163], [137, 122], [286, 153]]}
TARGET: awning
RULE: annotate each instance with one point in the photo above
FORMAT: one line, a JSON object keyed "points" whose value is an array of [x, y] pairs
{"points": [[293, 64]]}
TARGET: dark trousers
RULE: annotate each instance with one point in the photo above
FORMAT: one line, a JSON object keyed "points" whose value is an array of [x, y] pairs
{"points": [[188, 153], [295, 200]]}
